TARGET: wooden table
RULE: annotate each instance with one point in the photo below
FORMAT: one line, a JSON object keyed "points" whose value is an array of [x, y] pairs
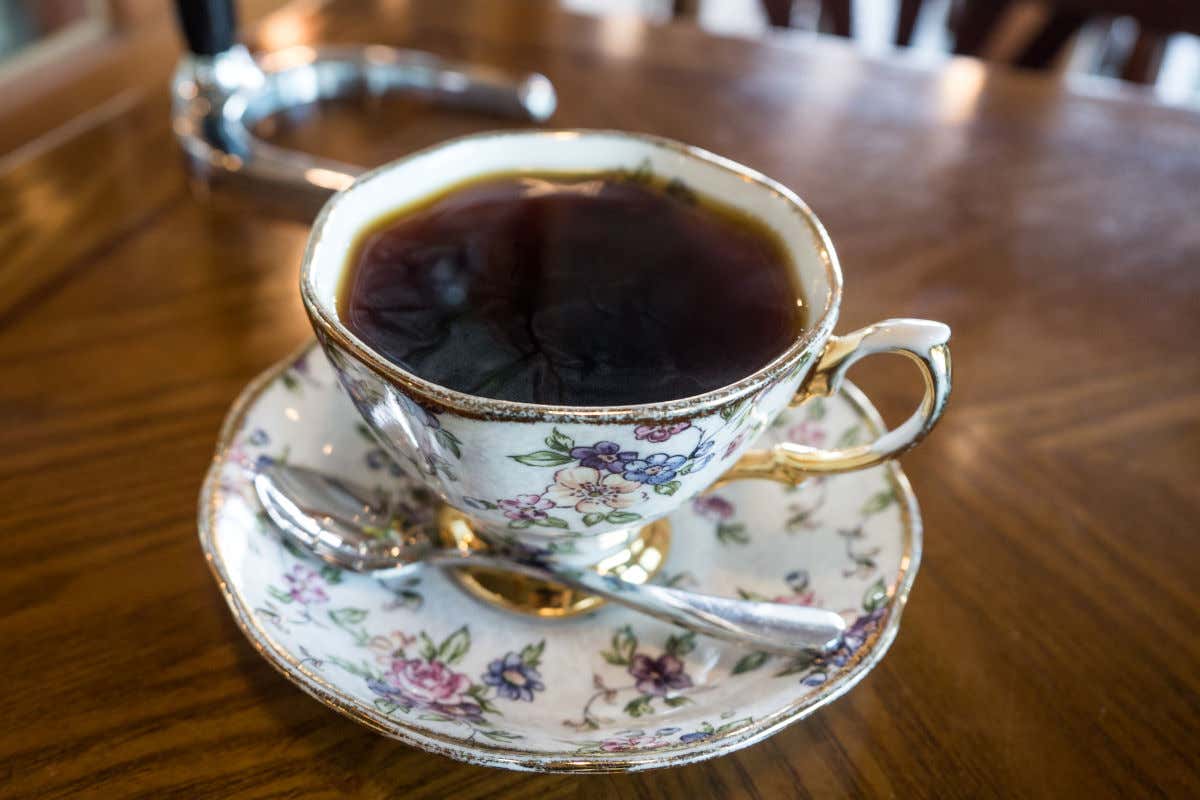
{"points": [[1050, 647]]}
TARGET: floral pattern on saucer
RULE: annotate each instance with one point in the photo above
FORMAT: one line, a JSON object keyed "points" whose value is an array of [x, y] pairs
{"points": [[417, 659]]}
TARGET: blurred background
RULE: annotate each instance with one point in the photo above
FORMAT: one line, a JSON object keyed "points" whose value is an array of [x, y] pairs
{"points": [[1150, 42]]}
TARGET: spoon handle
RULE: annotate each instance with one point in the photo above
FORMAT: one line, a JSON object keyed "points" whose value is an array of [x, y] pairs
{"points": [[772, 627]]}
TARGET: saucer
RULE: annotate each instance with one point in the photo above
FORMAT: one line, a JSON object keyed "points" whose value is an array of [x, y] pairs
{"points": [[420, 660]]}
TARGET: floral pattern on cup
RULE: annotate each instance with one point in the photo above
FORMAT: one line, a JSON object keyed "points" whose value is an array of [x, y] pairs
{"points": [[529, 507], [464, 459], [604, 456], [601, 482], [659, 433], [655, 469], [590, 491]]}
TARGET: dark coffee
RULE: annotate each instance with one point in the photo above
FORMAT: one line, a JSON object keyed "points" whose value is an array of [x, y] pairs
{"points": [[588, 290]]}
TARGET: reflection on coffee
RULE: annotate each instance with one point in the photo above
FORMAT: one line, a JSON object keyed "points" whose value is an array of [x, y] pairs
{"points": [[583, 289]]}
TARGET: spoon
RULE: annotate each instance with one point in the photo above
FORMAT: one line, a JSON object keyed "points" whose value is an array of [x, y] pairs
{"points": [[351, 527]]}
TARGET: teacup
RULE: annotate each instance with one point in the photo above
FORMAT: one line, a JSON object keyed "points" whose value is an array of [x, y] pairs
{"points": [[584, 483]]}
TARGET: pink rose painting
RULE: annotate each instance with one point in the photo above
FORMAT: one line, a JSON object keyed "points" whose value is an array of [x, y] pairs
{"points": [[427, 682]]}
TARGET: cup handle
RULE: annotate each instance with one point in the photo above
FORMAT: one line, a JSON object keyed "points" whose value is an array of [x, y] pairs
{"points": [[923, 341]]}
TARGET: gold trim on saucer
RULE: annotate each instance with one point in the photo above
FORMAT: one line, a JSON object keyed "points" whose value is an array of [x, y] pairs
{"points": [[311, 682]]}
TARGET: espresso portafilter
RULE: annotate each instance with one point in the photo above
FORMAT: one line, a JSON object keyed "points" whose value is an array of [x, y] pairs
{"points": [[220, 91]]}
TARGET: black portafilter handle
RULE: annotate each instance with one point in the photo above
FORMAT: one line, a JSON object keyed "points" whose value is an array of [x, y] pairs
{"points": [[209, 26]]}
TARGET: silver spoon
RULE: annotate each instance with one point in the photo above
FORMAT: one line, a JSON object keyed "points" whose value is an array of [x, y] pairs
{"points": [[341, 524]]}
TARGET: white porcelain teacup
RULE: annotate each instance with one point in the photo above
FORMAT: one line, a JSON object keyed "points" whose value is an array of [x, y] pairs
{"points": [[542, 475]]}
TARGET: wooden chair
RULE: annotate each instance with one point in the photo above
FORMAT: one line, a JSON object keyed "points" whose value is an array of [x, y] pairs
{"points": [[835, 14], [975, 21]]}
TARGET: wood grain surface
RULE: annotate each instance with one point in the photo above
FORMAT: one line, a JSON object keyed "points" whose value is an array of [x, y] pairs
{"points": [[1050, 646]]}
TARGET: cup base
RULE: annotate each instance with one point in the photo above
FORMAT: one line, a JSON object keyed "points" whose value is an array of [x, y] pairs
{"points": [[638, 562]]}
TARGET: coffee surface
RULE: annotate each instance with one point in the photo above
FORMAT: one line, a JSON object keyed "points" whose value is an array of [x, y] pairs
{"points": [[588, 290]]}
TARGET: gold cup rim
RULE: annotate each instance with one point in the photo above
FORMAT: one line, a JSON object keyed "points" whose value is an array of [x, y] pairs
{"points": [[441, 398]]}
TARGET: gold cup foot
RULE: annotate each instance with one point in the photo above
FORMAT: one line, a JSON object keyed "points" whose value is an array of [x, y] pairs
{"points": [[638, 563]]}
